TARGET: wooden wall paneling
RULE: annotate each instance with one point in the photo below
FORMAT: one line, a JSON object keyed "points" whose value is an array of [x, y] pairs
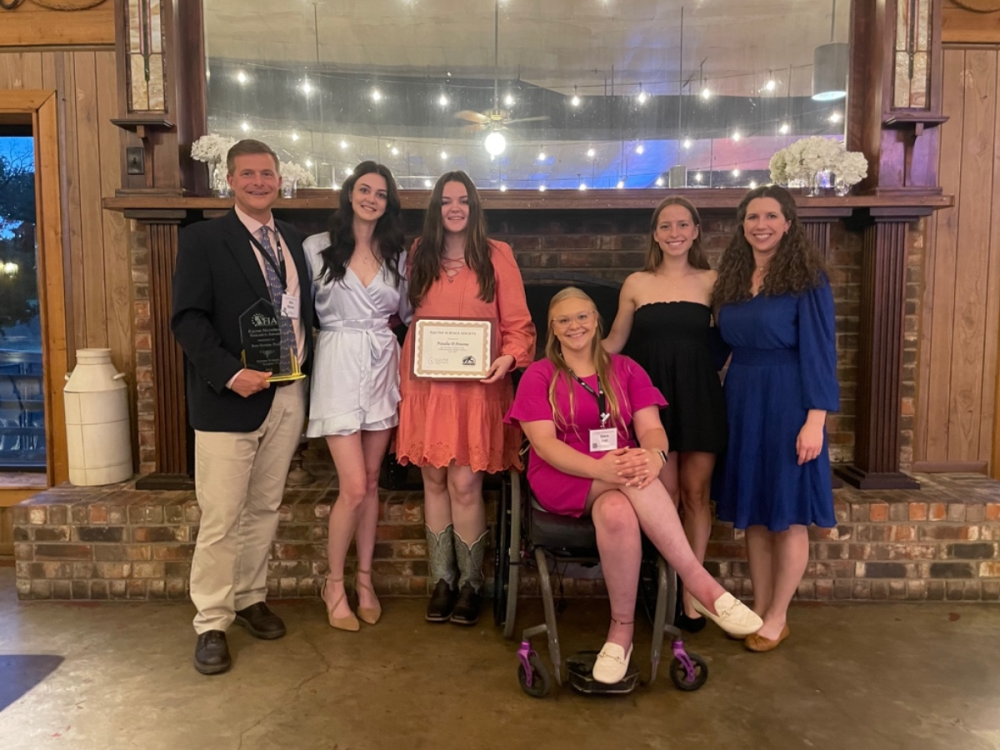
{"points": [[49, 71], [88, 149], [961, 26], [31, 76], [51, 291], [32, 26], [990, 431], [939, 307], [118, 275], [73, 239], [972, 256]]}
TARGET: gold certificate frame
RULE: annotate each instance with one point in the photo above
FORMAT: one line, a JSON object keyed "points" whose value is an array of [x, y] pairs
{"points": [[452, 349]]}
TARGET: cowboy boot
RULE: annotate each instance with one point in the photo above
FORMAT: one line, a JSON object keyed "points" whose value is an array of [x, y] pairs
{"points": [[471, 580], [441, 560]]}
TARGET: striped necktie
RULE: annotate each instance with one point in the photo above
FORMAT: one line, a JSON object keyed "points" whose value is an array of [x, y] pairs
{"points": [[276, 289]]}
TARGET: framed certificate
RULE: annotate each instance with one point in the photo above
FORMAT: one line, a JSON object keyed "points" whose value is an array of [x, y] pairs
{"points": [[452, 349]]}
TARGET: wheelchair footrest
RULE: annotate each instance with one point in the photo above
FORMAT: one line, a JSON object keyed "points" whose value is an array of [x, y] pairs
{"points": [[581, 666]]}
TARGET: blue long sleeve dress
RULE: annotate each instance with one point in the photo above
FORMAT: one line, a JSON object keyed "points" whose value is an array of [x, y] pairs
{"points": [[784, 364]]}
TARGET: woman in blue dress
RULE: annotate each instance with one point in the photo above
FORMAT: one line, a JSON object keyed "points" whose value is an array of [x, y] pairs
{"points": [[775, 309]]}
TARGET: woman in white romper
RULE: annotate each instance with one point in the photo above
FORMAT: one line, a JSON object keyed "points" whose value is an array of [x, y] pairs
{"points": [[359, 283]]}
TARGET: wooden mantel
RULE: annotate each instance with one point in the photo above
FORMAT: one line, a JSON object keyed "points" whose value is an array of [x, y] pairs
{"points": [[705, 199]]}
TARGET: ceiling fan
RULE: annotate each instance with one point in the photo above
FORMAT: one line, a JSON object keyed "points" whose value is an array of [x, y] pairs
{"points": [[496, 118]]}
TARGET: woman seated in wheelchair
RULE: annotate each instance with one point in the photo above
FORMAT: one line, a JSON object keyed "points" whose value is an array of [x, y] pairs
{"points": [[597, 447]]}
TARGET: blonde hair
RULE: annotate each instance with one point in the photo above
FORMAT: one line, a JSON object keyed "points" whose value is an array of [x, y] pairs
{"points": [[601, 359]]}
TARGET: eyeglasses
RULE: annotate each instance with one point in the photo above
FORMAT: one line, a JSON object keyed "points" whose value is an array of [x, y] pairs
{"points": [[568, 320]]}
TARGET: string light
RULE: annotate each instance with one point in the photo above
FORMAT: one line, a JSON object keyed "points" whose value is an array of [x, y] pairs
{"points": [[737, 136], [753, 184], [771, 85], [583, 186], [242, 77], [343, 144], [697, 177], [687, 143], [591, 153], [443, 100], [444, 155], [621, 184], [376, 94], [427, 183], [642, 95], [575, 101], [508, 99], [659, 182], [541, 188], [736, 172], [503, 188], [541, 156], [784, 128], [245, 126], [836, 117], [395, 151], [295, 136], [640, 149], [706, 93]]}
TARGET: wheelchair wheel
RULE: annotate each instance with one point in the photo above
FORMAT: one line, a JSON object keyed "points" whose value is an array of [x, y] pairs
{"points": [[681, 679], [501, 553], [541, 680], [513, 556]]}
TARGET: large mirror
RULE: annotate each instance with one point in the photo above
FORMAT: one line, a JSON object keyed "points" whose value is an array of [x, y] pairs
{"points": [[530, 94]]}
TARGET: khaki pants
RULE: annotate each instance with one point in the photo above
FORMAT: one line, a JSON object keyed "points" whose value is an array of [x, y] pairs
{"points": [[239, 481]]}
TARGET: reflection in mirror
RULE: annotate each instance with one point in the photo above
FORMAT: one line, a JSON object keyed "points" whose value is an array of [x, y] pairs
{"points": [[561, 94]]}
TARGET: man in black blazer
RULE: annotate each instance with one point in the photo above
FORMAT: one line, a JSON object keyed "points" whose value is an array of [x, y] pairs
{"points": [[246, 428]]}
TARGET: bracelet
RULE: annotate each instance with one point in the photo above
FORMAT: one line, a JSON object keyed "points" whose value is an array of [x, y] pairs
{"points": [[663, 457]]}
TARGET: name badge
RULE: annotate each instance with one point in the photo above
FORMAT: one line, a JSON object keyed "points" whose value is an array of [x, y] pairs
{"points": [[603, 440], [290, 306]]}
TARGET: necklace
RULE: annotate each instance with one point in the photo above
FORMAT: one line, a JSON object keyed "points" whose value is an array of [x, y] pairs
{"points": [[451, 267]]}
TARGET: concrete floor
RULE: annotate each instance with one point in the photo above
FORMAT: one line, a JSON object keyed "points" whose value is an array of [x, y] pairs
{"points": [[853, 676]]}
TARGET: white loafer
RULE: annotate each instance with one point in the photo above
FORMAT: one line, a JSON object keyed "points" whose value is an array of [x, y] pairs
{"points": [[733, 616], [611, 664]]}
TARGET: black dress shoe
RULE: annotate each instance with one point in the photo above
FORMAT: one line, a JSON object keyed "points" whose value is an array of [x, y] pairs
{"points": [[261, 622], [690, 624], [441, 603], [211, 655], [467, 607]]}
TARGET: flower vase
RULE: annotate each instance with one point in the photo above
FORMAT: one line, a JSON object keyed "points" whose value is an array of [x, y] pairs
{"points": [[288, 188], [220, 187], [842, 189], [822, 183]]}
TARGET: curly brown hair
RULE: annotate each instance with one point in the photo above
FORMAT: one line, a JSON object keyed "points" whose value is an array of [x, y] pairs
{"points": [[696, 255], [796, 266]]}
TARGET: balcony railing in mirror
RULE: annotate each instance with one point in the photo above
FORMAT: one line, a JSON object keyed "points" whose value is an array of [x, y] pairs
{"points": [[588, 94]]}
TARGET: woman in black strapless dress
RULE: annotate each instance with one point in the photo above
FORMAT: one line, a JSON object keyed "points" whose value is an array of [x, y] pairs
{"points": [[665, 318]]}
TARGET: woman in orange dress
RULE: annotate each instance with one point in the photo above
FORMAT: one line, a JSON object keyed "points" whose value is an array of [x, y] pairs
{"points": [[454, 430]]}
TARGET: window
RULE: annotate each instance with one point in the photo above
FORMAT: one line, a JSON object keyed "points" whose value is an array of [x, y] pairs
{"points": [[22, 411]]}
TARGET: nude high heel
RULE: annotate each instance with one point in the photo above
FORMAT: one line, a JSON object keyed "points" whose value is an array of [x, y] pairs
{"points": [[369, 615], [350, 622]]}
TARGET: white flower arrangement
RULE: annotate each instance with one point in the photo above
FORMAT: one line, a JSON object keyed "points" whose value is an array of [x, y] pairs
{"points": [[803, 159], [297, 174], [211, 149]]}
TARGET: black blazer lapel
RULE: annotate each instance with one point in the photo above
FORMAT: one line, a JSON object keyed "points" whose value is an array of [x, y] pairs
{"points": [[238, 243]]}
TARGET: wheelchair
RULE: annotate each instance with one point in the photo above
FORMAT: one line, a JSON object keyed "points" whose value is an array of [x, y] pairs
{"points": [[529, 536]]}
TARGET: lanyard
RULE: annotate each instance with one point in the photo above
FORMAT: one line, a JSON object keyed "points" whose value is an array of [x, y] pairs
{"points": [[602, 401], [279, 267]]}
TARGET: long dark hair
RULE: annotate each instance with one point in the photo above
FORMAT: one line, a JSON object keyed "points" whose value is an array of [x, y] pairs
{"points": [[388, 235], [696, 255], [795, 268], [426, 261]]}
